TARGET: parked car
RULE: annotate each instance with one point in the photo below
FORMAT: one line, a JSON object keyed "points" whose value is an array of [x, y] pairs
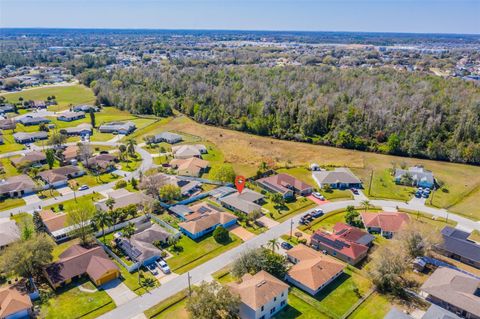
{"points": [[163, 266], [354, 190], [286, 246], [425, 195], [427, 190], [83, 187], [153, 269], [317, 213], [318, 195], [418, 194]]}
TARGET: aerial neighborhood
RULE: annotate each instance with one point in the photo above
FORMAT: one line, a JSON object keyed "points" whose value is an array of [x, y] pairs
{"points": [[125, 197]]}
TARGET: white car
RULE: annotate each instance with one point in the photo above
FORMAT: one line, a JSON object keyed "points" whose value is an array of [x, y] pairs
{"points": [[83, 187], [318, 195], [163, 266]]}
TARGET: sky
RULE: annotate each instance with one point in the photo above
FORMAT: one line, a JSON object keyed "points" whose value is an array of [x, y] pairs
{"points": [[417, 16]]}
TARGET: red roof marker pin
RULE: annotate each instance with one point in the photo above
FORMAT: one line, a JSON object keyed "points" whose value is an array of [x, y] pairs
{"points": [[240, 183]]}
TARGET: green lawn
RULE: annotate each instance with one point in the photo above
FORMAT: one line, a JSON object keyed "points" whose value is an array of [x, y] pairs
{"points": [[91, 180], [70, 303], [383, 186], [283, 212], [131, 280], [81, 200], [97, 136], [8, 169], [298, 308], [10, 203], [23, 219], [375, 307], [196, 252], [65, 95], [173, 307], [132, 163], [300, 172], [9, 144], [337, 194]]}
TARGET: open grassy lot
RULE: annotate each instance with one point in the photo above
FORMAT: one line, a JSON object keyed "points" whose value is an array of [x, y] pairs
{"points": [[383, 186], [23, 219], [9, 144], [65, 95], [288, 210], [195, 252], [7, 167], [91, 180], [173, 307], [69, 303], [152, 128], [374, 307], [299, 308], [112, 114], [10, 203], [337, 194], [72, 203], [300, 172]]}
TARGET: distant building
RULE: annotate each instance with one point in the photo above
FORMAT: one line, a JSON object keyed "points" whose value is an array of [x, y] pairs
{"points": [[417, 174], [30, 158], [23, 138], [85, 108], [70, 116], [247, 202], [192, 166], [262, 295], [286, 185], [8, 124], [59, 177], [101, 163], [9, 232], [340, 178], [123, 198], [17, 186], [29, 120], [79, 130], [124, 128], [188, 151], [168, 137]]}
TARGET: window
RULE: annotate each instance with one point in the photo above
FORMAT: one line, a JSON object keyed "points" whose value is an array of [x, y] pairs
{"points": [[283, 294], [272, 310], [282, 303], [263, 308], [262, 317], [274, 298]]}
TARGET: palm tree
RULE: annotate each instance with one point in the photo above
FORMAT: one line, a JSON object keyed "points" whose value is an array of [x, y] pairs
{"points": [[131, 146], [110, 202], [122, 148], [128, 231], [102, 219], [365, 204], [273, 244]]}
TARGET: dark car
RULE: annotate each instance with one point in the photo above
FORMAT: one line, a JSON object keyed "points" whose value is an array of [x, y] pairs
{"points": [[354, 190], [418, 194], [317, 213], [286, 246]]}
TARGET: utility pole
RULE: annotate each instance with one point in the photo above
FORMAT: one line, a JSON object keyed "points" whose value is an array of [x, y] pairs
{"points": [[189, 285], [370, 184], [291, 227]]}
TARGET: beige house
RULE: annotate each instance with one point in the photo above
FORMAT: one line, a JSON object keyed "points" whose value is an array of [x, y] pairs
{"points": [[192, 166], [262, 295]]}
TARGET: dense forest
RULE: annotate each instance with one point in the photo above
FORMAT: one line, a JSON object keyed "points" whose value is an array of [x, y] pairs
{"points": [[380, 110]]}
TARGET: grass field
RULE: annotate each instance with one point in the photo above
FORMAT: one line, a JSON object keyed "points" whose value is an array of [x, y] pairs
{"points": [[283, 212], [383, 186], [65, 96], [69, 303], [10, 203], [196, 252], [374, 307], [173, 307]]}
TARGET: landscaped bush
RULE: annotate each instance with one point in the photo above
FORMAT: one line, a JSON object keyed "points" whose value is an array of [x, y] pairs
{"points": [[121, 184], [221, 235]]}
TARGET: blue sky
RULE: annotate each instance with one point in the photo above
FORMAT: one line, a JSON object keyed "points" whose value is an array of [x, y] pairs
{"points": [[430, 16]]}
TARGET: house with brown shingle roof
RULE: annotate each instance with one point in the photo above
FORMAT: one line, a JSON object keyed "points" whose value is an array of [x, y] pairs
{"points": [[30, 158], [78, 261], [56, 224], [17, 186], [58, 177], [192, 166], [14, 304], [70, 153], [384, 223], [286, 185], [101, 163], [312, 271], [454, 291], [353, 234], [262, 295], [204, 219]]}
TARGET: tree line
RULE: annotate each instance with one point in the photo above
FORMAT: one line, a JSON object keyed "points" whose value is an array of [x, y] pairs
{"points": [[380, 110]]}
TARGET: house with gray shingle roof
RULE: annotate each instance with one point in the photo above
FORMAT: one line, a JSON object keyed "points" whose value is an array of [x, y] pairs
{"points": [[456, 245], [23, 138], [118, 127], [340, 178], [168, 137], [419, 176]]}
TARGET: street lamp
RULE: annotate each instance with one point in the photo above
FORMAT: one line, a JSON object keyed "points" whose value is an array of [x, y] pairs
{"points": [[291, 227]]}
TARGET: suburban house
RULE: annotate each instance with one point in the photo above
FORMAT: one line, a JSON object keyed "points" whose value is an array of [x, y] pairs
{"points": [[353, 234], [7, 124], [85, 108], [79, 130], [168, 137], [38, 104], [101, 163], [340, 178], [187, 151], [336, 245], [17, 186], [124, 128], [312, 271], [23, 138], [30, 158], [262, 295], [56, 224], [29, 120], [192, 166], [70, 116], [140, 247], [58, 177], [187, 187], [203, 219], [7, 108], [77, 261], [124, 198], [456, 245], [70, 154], [454, 291], [416, 175], [433, 312], [286, 185], [246, 202], [15, 304], [385, 223], [9, 232]]}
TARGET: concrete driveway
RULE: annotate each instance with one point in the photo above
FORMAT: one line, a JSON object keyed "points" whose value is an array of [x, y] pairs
{"points": [[119, 292], [64, 190], [31, 199], [267, 222], [241, 232]]}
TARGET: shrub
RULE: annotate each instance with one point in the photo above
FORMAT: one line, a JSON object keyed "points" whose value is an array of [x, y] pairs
{"points": [[221, 235], [121, 184]]}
